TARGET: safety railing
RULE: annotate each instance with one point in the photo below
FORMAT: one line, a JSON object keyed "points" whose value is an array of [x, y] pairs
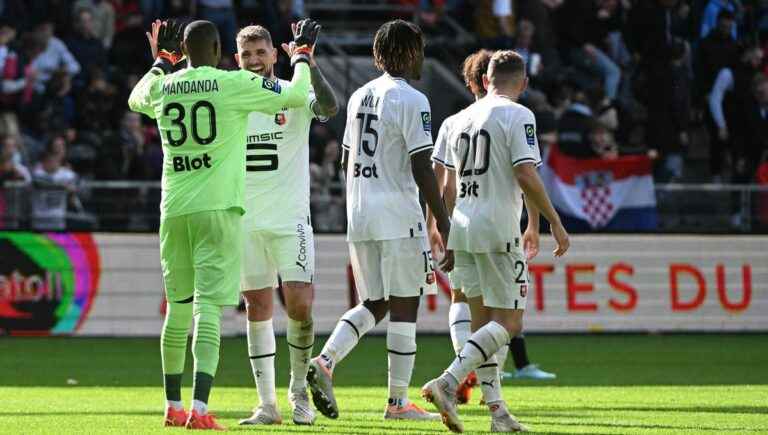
{"points": [[133, 206]]}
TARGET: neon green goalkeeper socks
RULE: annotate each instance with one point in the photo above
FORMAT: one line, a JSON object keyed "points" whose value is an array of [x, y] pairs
{"points": [[205, 348], [173, 346]]}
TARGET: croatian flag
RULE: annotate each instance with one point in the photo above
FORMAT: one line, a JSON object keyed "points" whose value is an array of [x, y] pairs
{"points": [[597, 194]]}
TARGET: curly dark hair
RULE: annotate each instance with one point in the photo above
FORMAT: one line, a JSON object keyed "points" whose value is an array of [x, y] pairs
{"points": [[396, 45], [473, 68]]}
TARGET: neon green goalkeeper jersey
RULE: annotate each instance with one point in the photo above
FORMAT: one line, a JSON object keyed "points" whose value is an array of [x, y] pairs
{"points": [[202, 115]]}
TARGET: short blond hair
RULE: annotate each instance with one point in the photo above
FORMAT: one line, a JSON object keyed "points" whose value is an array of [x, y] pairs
{"points": [[253, 33], [505, 65]]}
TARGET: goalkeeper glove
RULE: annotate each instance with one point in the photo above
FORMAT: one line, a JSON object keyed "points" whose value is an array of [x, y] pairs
{"points": [[305, 38], [169, 41]]}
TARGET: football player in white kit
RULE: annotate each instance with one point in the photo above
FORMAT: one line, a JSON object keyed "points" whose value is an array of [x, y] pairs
{"points": [[387, 147], [492, 159], [278, 236], [474, 68]]}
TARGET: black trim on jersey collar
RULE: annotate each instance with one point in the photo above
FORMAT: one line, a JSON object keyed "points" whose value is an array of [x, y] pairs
{"points": [[395, 77]]}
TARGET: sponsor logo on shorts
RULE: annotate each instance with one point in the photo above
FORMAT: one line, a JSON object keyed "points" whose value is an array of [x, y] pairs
{"points": [[523, 290], [301, 258], [431, 278]]}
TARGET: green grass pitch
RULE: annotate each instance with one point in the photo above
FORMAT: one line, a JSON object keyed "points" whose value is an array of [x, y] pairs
{"points": [[607, 384]]}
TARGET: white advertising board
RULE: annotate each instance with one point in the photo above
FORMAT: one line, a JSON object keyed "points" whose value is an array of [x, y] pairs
{"points": [[111, 284]]}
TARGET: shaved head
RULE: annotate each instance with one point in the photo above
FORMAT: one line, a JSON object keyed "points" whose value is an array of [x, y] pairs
{"points": [[201, 43]]}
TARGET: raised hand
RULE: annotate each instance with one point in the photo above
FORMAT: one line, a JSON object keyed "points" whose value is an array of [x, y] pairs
{"points": [[305, 32], [169, 36]]}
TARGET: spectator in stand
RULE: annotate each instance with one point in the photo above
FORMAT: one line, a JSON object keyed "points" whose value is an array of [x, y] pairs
{"points": [[11, 168], [130, 154], [524, 47], [602, 143], [17, 12], [97, 105], [129, 52], [732, 92], [222, 14], [151, 10], [539, 13], [179, 9], [103, 19], [575, 124], [55, 188], [54, 57], [86, 47], [717, 51], [709, 20], [584, 28], [494, 23], [669, 115], [10, 171], [25, 85], [55, 109], [12, 84], [751, 145], [125, 12], [327, 190]]}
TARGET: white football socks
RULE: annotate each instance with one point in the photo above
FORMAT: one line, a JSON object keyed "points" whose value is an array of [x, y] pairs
{"points": [[175, 404], [301, 337], [401, 350], [459, 322], [353, 325], [501, 356], [200, 406], [488, 377], [261, 350], [483, 344]]}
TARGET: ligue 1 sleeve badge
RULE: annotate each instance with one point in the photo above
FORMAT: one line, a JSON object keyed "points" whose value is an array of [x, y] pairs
{"points": [[280, 118]]}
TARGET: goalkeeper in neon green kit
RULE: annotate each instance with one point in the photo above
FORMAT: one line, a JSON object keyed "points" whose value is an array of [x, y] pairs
{"points": [[202, 113]]}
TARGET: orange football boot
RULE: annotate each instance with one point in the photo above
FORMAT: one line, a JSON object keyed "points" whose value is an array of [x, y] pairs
{"points": [[175, 418], [464, 392], [206, 422]]}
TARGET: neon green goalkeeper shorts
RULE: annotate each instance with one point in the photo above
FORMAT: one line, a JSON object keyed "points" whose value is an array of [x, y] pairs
{"points": [[200, 256]]}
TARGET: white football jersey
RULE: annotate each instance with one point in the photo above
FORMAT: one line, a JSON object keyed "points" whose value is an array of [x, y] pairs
{"points": [[277, 168], [492, 136], [387, 122], [441, 143]]}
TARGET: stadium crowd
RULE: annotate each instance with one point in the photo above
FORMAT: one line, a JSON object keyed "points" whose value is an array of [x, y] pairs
{"points": [[672, 78]]}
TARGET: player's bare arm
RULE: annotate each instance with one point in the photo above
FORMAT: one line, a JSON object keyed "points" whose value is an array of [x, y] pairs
{"points": [[325, 104], [531, 235], [529, 181], [421, 167], [435, 241]]}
